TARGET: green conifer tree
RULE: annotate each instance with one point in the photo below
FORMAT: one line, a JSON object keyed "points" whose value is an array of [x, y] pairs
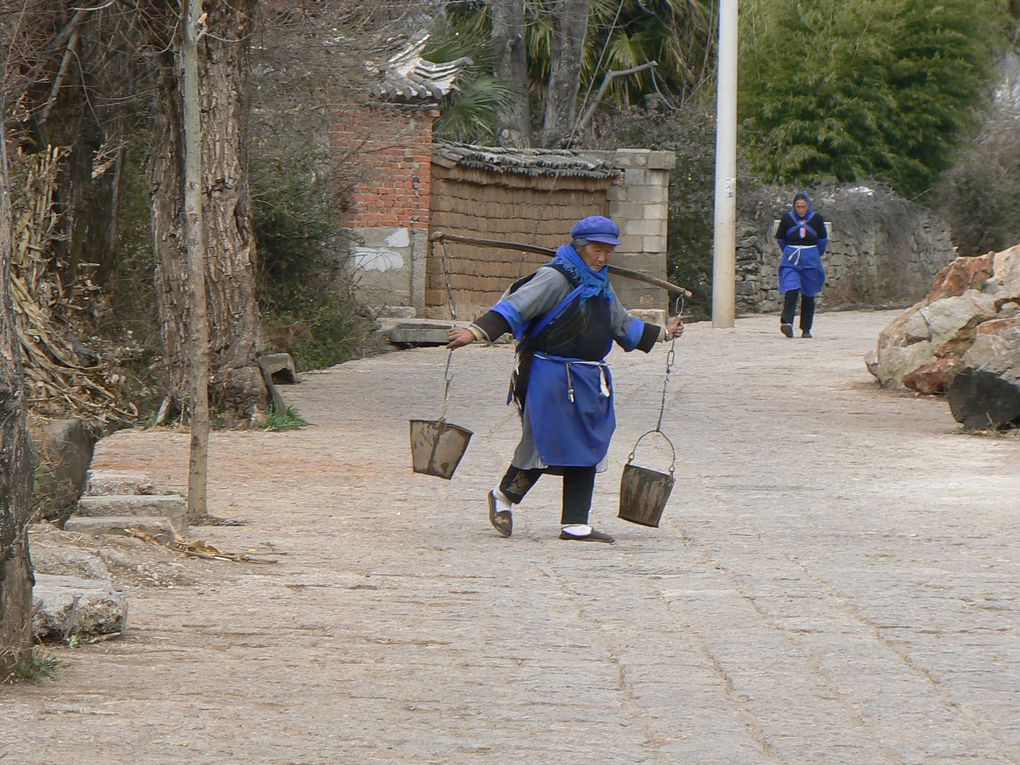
{"points": [[835, 90]]}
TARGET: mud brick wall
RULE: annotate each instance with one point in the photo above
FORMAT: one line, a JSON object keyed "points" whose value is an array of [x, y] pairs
{"points": [[504, 206]]}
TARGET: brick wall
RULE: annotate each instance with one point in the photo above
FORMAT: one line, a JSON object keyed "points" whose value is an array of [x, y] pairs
{"points": [[392, 147], [503, 206]]}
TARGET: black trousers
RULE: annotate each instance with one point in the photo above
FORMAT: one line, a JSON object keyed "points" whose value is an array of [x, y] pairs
{"points": [[807, 309], [578, 487]]}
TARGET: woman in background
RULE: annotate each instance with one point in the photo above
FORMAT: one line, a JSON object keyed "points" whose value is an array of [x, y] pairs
{"points": [[802, 238]]}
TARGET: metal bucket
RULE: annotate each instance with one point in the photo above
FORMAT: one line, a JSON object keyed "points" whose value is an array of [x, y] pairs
{"points": [[644, 492], [437, 447]]}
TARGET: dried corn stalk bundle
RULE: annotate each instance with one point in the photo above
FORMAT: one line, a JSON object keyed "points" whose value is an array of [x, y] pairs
{"points": [[57, 382]]}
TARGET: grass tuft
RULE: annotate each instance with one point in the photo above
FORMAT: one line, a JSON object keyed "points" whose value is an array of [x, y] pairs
{"points": [[288, 419]]}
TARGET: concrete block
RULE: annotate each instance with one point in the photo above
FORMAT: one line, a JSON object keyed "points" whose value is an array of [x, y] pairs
{"points": [[661, 160], [656, 212], [623, 211], [158, 526], [635, 176], [654, 243], [629, 244], [172, 506], [628, 158], [102, 483], [643, 227], [648, 194]]}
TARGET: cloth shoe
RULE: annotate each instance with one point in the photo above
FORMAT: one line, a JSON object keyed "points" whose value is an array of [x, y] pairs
{"points": [[499, 514], [786, 329], [593, 535]]}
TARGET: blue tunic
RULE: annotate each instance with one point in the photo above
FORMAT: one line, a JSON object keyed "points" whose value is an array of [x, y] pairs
{"points": [[568, 417], [802, 241]]}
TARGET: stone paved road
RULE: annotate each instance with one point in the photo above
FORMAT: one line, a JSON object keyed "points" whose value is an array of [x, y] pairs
{"points": [[836, 581]]}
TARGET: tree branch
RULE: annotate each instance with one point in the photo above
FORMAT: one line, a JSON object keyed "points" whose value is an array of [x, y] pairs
{"points": [[586, 117], [69, 51]]}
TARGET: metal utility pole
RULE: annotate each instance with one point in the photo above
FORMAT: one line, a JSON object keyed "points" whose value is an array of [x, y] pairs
{"points": [[724, 262]]}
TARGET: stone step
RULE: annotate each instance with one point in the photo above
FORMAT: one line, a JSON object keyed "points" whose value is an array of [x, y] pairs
{"points": [[172, 506], [103, 483], [418, 332], [158, 526]]}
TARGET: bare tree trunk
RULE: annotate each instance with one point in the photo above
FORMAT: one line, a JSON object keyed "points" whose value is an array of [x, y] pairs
{"points": [[570, 25], [16, 578], [199, 346], [514, 127], [237, 390]]}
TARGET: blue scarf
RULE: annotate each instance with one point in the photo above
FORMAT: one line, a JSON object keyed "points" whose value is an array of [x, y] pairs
{"points": [[593, 283]]}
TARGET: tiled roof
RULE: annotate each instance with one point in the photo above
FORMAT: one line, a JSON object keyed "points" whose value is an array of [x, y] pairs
{"points": [[532, 162], [408, 78]]}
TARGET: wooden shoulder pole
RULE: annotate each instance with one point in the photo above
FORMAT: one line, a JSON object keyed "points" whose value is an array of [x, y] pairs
{"points": [[626, 273]]}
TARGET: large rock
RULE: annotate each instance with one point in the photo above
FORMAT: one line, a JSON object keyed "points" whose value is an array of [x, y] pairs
{"points": [[968, 319], [68, 607], [64, 448], [961, 275], [988, 397]]}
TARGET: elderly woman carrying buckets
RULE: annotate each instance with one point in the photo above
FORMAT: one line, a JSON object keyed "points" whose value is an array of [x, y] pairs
{"points": [[565, 317], [802, 238]]}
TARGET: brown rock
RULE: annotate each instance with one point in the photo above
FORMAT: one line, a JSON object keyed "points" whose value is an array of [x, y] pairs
{"points": [[961, 275], [935, 377]]}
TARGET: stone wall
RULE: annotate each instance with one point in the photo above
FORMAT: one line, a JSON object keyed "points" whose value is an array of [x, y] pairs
{"points": [[883, 250]]}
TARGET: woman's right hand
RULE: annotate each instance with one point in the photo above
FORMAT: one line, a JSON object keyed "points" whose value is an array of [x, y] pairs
{"points": [[459, 337]]}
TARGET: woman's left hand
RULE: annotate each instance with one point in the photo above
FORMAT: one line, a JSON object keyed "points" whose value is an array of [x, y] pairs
{"points": [[675, 328]]}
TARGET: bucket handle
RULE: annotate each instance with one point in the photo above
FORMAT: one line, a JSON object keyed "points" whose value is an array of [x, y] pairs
{"points": [[672, 466]]}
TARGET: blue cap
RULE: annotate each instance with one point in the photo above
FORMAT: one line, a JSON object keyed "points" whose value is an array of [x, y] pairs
{"points": [[596, 228]]}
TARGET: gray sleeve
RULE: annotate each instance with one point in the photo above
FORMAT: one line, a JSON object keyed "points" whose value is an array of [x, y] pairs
{"points": [[619, 318], [541, 294]]}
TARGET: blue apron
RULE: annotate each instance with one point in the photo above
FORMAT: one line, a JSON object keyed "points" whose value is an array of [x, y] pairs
{"points": [[800, 268], [570, 410]]}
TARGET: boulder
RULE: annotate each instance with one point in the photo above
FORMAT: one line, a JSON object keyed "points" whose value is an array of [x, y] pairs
{"points": [[991, 339], [69, 607], [952, 322], [965, 322], [988, 397], [64, 448], [961, 275], [935, 377]]}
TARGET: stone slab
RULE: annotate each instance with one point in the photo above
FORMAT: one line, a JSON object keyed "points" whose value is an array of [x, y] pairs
{"points": [[158, 526], [172, 506], [103, 483]]}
